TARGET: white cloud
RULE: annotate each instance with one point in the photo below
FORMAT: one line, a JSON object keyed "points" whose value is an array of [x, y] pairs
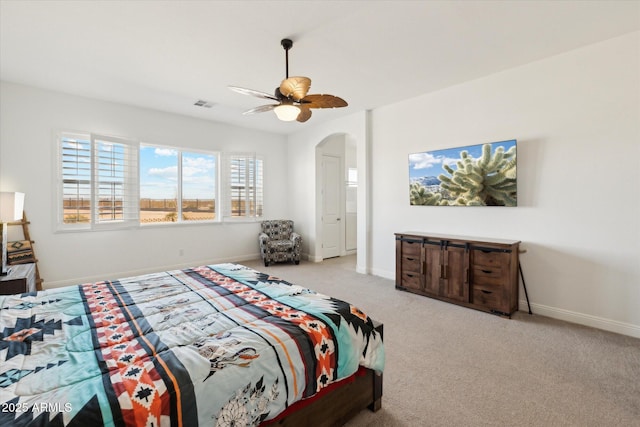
{"points": [[165, 152], [170, 172], [423, 160], [449, 160], [192, 166]]}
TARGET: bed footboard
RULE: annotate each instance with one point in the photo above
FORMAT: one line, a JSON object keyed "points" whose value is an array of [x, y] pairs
{"points": [[340, 405]]}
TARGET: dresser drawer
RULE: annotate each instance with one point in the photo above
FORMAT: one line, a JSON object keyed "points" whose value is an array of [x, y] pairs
{"points": [[486, 297], [411, 248], [411, 280], [492, 276], [490, 258], [490, 297], [411, 264]]}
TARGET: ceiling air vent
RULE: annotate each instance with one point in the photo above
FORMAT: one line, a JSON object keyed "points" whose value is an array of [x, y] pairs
{"points": [[203, 103]]}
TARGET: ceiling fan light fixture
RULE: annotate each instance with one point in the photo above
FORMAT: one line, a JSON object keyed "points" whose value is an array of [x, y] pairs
{"points": [[293, 101], [287, 112]]}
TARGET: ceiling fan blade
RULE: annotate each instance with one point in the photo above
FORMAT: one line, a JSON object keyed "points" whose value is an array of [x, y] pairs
{"points": [[305, 114], [323, 101], [252, 92], [295, 87], [261, 109]]}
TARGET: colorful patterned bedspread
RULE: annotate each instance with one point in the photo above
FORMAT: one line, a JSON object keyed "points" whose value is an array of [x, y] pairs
{"points": [[213, 345]]}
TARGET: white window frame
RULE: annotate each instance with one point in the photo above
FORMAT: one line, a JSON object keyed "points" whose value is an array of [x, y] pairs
{"points": [[129, 181]]}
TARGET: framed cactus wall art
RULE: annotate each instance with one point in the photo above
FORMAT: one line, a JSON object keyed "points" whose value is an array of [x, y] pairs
{"points": [[475, 175]]}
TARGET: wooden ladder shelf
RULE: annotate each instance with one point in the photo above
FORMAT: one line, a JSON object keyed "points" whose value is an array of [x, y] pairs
{"points": [[27, 237]]}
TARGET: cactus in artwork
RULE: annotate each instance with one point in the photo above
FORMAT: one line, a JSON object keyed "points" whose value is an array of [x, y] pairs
{"points": [[420, 196], [487, 181]]}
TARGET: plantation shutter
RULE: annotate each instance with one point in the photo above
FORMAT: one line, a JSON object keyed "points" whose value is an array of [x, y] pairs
{"points": [[97, 182], [74, 181], [243, 186], [115, 182], [258, 187]]}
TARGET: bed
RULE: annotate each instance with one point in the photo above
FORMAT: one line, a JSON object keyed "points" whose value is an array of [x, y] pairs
{"points": [[218, 345]]}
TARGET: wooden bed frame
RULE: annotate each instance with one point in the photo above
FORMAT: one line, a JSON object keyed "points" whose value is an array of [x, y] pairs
{"points": [[341, 404]]}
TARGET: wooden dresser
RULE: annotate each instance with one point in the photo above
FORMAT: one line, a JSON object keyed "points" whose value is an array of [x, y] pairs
{"points": [[469, 271]]}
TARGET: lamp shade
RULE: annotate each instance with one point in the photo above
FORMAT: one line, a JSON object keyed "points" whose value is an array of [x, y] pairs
{"points": [[11, 206], [287, 112]]}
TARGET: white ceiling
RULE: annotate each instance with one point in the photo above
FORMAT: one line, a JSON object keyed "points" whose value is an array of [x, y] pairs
{"points": [[166, 55]]}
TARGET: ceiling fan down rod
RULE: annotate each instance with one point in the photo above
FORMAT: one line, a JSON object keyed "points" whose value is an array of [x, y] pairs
{"points": [[286, 44]]}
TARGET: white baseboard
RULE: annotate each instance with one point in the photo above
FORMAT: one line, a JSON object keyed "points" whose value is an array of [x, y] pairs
{"points": [[361, 270], [311, 258], [582, 319]]}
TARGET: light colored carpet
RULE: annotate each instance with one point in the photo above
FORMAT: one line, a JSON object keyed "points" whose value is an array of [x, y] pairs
{"points": [[452, 366]]}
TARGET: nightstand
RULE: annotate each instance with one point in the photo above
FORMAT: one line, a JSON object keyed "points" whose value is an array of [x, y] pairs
{"points": [[21, 279]]}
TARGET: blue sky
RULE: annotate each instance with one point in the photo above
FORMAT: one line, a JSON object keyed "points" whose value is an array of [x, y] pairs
{"points": [[159, 174], [429, 163]]}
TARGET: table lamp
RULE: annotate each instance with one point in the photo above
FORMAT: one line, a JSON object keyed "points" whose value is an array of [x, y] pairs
{"points": [[11, 206]]}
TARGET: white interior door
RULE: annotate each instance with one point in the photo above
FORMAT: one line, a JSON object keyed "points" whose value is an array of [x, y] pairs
{"points": [[331, 184]]}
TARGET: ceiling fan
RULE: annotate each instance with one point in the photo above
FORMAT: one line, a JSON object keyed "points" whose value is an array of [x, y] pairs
{"points": [[291, 95]]}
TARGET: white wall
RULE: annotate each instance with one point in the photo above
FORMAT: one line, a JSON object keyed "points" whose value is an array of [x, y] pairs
{"points": [[576, 117], [29, 117]]}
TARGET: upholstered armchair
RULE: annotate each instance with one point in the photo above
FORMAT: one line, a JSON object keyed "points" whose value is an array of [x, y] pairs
{"points": [[278, 242]]}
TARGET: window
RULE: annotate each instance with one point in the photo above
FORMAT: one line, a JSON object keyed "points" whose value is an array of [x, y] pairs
{"points": [[97, 182], [244, 178], [107, 182], [177, 186]]}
